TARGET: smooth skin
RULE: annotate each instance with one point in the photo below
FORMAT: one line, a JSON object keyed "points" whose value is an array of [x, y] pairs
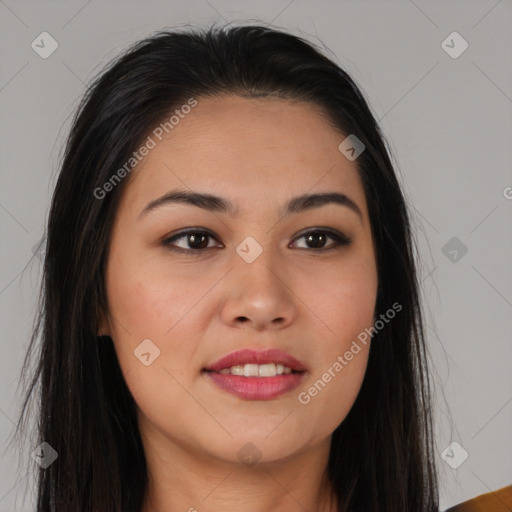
{"points": [[199, 305]]}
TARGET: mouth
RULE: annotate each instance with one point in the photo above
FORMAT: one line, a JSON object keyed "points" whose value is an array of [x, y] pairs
{"points": [[257, 375]]}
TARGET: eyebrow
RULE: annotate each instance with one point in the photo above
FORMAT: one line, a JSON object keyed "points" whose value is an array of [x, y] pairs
{"points": [[218, 204]]}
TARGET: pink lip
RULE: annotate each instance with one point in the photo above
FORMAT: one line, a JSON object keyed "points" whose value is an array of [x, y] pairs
{"points": [[248, 356], [257, 388]]}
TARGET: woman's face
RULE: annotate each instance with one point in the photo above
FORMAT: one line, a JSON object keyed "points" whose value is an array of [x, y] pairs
{"points": [[252, 276]]}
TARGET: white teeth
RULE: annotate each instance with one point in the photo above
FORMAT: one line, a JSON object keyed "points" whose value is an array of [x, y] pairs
{"points": [[257, 370], [251, 370], [267, 370], [237, 370]]}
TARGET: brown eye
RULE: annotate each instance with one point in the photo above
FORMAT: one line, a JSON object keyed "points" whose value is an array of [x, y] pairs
{"points": [[316, 239], [193, 241]]}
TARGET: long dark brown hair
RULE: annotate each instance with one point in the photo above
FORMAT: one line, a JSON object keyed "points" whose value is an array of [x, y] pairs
{"points": [[382, 455]]}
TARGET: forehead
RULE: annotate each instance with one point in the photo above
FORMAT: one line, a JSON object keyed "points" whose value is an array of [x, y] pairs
{"points": [[256, 151]]}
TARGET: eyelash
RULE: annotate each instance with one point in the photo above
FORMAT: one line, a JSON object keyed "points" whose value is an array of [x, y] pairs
{"points": [[340, 239]]}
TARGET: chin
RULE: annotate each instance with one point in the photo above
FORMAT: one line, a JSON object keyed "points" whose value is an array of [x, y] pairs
{"points": [[258, 448]]}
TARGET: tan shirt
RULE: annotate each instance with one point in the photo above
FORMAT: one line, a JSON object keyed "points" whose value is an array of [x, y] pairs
{"points": [[495, 501]]}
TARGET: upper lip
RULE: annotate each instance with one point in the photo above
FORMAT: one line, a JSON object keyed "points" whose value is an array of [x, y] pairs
{"points": [[249, 356]]}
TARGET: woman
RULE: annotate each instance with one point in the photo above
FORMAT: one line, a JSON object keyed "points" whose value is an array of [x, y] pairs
{"points": [[230, 312]]}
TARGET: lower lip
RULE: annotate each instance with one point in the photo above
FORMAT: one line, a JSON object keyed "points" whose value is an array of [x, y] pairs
{"points": [[257, 388]]}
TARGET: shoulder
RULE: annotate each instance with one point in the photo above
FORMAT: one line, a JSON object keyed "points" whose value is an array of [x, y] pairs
{"points": [[495, 501]]}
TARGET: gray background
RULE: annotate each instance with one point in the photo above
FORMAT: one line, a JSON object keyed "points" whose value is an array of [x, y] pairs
{"points": [[449, 125]]}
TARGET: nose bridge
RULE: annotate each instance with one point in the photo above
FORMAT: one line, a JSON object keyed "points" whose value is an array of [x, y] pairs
{"points": [[259, 268], [257, 290]]}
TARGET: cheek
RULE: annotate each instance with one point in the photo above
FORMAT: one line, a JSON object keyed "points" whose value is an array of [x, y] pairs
{"points": [[144, 301], [332, 389], [150, 301], [344, 301], [143, 306], [332, 393]]}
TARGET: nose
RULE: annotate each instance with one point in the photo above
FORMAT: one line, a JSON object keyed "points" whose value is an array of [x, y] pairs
{"points": [[259, 295]]}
